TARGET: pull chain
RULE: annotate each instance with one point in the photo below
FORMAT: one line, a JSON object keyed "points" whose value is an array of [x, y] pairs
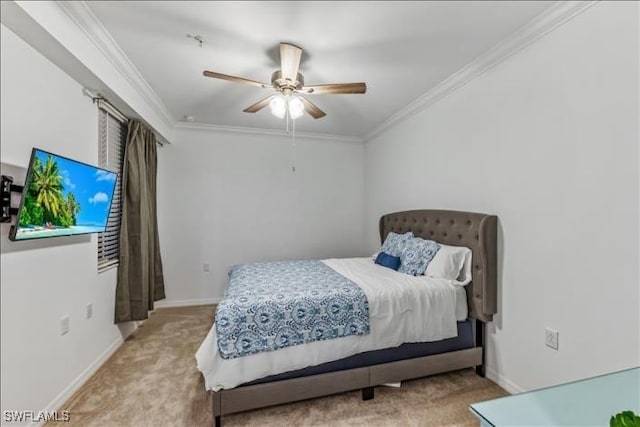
{"points": [[293, 143], [293, 138], [286, 119]]}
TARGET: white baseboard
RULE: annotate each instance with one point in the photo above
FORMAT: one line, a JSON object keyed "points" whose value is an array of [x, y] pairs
{"points": [[503, 382], [186, 302], [80, 380]]}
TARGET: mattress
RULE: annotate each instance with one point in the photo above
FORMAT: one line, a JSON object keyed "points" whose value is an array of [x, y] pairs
{"points": [[402, 309]]}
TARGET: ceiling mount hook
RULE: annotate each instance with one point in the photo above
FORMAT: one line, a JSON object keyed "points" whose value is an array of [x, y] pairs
{"points": [[197, 38]]}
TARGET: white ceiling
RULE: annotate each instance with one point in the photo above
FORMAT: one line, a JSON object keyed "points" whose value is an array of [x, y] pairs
{"points": [[400, 49]]}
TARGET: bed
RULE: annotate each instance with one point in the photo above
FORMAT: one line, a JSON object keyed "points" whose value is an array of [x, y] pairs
{"points": [[395, 357]]}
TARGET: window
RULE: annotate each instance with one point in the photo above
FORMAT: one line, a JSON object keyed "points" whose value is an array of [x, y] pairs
{"points": [[112, 137]]}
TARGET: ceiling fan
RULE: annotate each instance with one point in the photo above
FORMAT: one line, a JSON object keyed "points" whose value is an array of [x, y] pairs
{"points": [[288, 84]]}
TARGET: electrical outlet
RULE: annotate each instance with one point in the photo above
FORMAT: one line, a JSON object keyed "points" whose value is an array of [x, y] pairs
{"points": [[205, 267], [551, 338], [89, 311], [65, 325]]}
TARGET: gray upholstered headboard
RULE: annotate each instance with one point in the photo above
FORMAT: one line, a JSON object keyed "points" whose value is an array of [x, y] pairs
{"points": [[473, 230]]}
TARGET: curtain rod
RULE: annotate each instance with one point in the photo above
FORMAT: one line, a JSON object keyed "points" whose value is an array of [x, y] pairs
{"points": [[103, 103]]}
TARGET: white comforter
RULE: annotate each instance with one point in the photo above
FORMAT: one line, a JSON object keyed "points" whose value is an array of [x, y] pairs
{"points": [[402, 309]]}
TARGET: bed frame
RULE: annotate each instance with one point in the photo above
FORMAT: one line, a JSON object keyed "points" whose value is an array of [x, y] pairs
{"points": [[473, 230]]}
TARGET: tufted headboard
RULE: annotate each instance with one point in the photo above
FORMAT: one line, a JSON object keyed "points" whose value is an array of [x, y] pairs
{"points": [[476, 231]]}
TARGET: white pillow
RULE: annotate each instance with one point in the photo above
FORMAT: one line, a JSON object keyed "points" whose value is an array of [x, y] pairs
{"points": [[453, 263]]}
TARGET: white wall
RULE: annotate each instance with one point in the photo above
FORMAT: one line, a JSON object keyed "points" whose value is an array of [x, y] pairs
{"points": [[70, 36], [548, 141], [228, 198], [43, 280]]}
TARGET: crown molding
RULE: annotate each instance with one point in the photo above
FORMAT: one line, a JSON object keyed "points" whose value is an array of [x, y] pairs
{"points": [[264, 131], [89, 24], [552, 17]]}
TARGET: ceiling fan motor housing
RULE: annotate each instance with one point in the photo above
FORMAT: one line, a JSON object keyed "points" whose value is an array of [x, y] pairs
{"points": [[280, 83]]}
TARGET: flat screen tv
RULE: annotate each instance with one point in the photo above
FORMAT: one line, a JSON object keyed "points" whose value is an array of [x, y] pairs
{"points": [[63, 197]]}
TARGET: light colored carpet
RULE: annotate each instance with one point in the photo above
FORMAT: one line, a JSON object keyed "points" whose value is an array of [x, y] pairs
{"points": [[152, 380]]}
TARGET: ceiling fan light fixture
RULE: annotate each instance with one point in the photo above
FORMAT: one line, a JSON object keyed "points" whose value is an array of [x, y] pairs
{"points": [[296, 107], [278, 106]]}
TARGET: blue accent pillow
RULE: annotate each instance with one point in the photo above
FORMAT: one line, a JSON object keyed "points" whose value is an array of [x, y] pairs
{"points": [[394, 243], [416, 255], [389, 261]]}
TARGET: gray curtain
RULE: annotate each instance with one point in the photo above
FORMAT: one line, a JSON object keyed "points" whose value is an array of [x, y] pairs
{"points": [[140, 279]]}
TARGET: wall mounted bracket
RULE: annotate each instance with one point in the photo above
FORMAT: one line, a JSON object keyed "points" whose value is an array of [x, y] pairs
{"points": [[6, 188]]}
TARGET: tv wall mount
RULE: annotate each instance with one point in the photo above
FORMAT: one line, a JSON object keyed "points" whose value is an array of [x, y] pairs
{"points": [[8, 187]]}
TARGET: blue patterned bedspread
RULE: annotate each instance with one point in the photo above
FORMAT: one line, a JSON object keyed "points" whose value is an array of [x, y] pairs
{"points": [[272, 305]]}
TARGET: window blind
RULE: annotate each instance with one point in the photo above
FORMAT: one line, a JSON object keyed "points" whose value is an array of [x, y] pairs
{"points": [[112, 136]]}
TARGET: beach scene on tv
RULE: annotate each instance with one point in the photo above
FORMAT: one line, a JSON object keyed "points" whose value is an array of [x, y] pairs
{"points": [[64, 197]]}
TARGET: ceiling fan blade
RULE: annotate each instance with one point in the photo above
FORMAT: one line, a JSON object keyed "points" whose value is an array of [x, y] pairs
{"points": [[290, 61], [234, 79], [335, 88], [312, 109], [258, 105]]}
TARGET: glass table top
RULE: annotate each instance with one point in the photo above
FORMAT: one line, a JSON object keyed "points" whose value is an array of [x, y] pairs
{"points": [[588, 402]]}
